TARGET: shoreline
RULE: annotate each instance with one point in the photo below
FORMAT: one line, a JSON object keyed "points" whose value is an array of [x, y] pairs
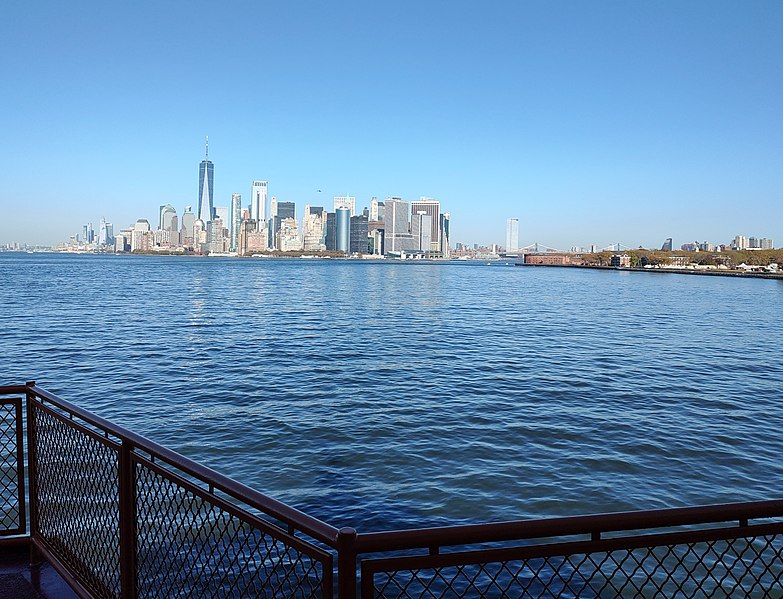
{"points": [[673, 271]]}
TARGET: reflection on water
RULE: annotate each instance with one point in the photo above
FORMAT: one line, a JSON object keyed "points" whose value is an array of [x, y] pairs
{"points": [[387, 394]]}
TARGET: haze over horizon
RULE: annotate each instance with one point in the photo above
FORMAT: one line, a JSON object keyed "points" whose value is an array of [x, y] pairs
{"points": [[593, 123]]}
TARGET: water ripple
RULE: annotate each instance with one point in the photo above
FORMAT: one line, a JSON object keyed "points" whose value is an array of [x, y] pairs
{"points": [[383, 395]]}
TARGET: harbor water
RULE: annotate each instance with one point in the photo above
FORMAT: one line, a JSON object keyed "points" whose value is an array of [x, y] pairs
{"points": [[384, 394]]}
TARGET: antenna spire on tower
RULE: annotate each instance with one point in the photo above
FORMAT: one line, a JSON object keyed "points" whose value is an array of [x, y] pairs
{"points": [[207, 157]]}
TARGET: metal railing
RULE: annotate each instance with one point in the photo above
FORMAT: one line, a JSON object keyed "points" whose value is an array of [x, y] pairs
{"points": [[119, 517]]}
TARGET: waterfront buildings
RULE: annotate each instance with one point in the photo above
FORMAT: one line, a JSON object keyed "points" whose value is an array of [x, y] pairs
{"points": [[258, 203], [343, 229], [421, 232], [376, 210], [397, 226], [667, 245], [385, 228], [287, 237], [548, 259], [236, 220], [250, 240], [167, 212], [286, 210], [279, 212], [141, 240], [188, 222], [512, 236], [222, 212], [105, 233], [313, 229], [751, 243], [206, 181], [445, 235], [88, 235], [620, 261], [430, 207], [345, 202], [359, 241], [217, 237]]}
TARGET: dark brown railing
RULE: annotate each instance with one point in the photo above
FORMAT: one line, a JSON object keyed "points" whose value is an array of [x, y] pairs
{"points": [[119, 516]]}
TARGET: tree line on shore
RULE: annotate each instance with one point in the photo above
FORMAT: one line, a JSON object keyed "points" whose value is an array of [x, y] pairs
{"points": [[730, 258]]}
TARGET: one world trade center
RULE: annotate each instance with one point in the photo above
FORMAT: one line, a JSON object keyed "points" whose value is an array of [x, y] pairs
{"points": [[206, 180]]}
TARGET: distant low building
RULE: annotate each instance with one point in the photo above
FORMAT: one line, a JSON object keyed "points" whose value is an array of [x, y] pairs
{"points": [[548, 259], [621, 261]]}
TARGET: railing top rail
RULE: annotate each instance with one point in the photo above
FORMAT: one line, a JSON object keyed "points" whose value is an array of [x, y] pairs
{"points": [[12, 389], [564, 526], [272, 507], [469, 534]]}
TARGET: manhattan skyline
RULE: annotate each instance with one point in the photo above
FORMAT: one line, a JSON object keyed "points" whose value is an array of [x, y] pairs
{"points": [[597, 123]]}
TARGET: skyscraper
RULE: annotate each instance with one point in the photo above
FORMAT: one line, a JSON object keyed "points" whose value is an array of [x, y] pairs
{"points": [[222, 212], [236, 220], [397, 226], [512, 236], [286, 209], [280, 211], [206, 181], [188, 220], [313, 223], [421, 229], [258, 203], [343, 220], [167, 212], [431, 207], [376, 209], [330, 236], [345, 202], [445, 223], [103, 232], [359, 241]]}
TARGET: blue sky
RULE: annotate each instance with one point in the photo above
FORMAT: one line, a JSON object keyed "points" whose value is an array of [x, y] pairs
{"points": [[592, 122]]}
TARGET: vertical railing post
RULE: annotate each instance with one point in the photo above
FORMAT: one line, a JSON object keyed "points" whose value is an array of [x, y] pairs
{"points": [[346, 563], [20, 478], [32, 473], [127, 489]]}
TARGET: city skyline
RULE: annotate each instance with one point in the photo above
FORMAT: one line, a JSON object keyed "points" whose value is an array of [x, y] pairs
{"points": [[412, 232], [594, 124]]}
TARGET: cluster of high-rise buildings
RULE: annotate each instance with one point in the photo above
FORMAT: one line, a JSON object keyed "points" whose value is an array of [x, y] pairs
{"points": [[392, 227], [740, 242]]}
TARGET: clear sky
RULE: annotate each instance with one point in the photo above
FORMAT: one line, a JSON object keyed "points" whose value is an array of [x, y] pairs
{"points": [[592, 122]]}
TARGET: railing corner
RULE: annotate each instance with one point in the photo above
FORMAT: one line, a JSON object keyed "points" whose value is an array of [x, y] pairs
{"points": [[346, 563]]}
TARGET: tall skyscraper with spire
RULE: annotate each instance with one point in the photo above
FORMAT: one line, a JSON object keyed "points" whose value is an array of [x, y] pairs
{"points": [[206, 180]]}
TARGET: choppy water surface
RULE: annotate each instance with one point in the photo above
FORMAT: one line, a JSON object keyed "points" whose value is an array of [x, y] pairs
{"points": [[384, 395]]}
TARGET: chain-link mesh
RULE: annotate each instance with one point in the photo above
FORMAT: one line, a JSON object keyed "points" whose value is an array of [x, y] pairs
{"points": [[191, 544], [76, 479], [10, 512], [746, 567]]}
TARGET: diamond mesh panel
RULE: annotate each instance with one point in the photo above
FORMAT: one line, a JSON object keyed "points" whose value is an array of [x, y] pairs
{"points": [[749, 567], [9, 481], [189, 546], [78, 501]]}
